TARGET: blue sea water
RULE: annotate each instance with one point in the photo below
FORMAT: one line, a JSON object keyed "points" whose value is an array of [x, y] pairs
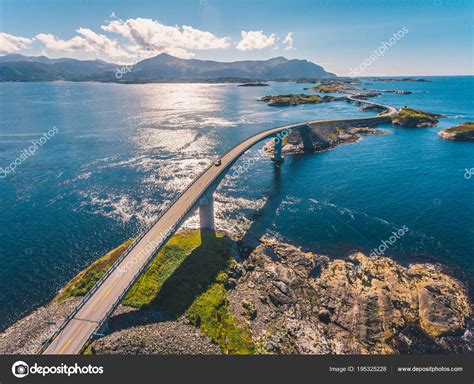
{"points": [[122, 152]]}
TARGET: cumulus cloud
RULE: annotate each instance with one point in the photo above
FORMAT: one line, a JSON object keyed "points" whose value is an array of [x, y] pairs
{"points": [[55, 44], [140, 38], [288, 42], [88, 41], [10, 43], [255, 40], [153, 35]]}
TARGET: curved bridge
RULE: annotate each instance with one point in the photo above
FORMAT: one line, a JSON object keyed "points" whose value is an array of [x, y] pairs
{"points": [[91, 314]]}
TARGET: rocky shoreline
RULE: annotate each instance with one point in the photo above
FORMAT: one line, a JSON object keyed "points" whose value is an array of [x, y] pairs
{"points": [[306, 303], [292, 302], [323, 139], [415, 118], [462, 132]]}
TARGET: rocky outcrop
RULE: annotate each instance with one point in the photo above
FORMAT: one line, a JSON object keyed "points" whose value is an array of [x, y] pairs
{"points": [[462, 132], [322, 138], [414, 118], [257, 84], [305, 303], [293, 99]]}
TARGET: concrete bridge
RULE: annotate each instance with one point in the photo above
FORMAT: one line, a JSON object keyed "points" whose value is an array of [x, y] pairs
{"points": [[91, 314]]}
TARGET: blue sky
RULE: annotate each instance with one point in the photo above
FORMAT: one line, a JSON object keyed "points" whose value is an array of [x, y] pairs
{"points": [[337, 34]]}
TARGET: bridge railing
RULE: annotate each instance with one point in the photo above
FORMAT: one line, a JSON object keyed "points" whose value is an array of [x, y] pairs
{"points": [[114, 266], [171, 231]]}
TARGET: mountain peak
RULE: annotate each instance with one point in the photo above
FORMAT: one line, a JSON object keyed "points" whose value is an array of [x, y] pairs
{"points": [[161, 67]]}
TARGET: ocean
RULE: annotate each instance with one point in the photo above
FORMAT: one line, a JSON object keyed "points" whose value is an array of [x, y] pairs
{"points": [[94, 164]]}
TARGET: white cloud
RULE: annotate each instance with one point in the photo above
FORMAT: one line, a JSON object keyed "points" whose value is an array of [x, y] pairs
{"points": [[102, 44], [88, 41], [10, 43], [152, 35], [138, 39], [255, 40], [55, 44], [288, 42]]}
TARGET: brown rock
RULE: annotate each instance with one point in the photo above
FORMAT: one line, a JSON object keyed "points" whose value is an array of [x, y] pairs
{"points": [[358, 305]]}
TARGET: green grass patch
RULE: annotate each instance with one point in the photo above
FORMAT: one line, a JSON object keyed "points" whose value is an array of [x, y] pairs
{"points": [[294, 99], [84, 281], [328, 89], [178, 248], [211, 313], [409, 117], [194, 275], [463, 131], [464, 127]]}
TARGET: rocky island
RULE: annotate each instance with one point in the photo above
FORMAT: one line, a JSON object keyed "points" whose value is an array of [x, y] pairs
{"points": [[331, 88], [462, 132], [266, 297], [404, 79], [322, 139], [298, 99], [258, 84], [415, 118]]}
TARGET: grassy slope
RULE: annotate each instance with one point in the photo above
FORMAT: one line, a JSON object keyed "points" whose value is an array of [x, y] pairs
{"points": [[411, 117], [161, 268], [465, 130], [84, 281], [186, 278], [328, 89], [291, 99], [210, 312]]}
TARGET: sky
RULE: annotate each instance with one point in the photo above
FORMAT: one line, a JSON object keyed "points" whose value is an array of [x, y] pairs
{"points": [[347, 37]]}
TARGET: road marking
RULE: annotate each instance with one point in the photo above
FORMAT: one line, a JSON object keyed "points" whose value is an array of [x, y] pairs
{"points": [[70, 340], [106, 294]]}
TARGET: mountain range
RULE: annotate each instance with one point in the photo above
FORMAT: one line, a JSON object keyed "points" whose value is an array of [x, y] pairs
{"points": [[163, 67]]}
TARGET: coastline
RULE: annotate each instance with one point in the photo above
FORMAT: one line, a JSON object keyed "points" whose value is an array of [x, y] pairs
{"points": [[245, 288]]}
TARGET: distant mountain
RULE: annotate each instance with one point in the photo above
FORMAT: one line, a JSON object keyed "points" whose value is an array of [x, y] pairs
{"points": [[163, 67], [41, 68], [169, 67], [18, 57]]}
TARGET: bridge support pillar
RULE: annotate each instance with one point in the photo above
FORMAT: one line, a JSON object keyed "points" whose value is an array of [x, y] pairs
{"points": [[206, 213], [104, 329], [305, 133], [277, 149]]}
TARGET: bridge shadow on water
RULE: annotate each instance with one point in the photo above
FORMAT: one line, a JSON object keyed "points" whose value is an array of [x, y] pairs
{"points": [[198, 271], [264, 217]]}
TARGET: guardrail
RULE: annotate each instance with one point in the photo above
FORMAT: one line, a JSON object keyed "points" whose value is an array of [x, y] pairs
{"points": [[172, 230]]}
